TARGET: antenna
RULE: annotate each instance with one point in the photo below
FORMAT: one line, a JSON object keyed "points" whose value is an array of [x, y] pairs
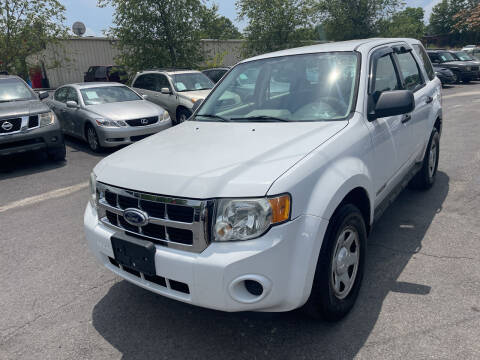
{"points": [[78, 28]]}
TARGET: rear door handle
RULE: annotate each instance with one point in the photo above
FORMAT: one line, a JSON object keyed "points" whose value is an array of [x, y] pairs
{"points": [[429, 99], [406, 118]]}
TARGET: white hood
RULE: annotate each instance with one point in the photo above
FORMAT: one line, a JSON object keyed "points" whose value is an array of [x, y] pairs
{"points": [[214, 159]]}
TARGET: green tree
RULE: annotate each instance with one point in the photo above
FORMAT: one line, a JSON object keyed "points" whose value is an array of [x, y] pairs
{"points": [[276, 24], [355, 19], [441, 19], [214, 26], [153, 33], [406, 23], [26, 27]]}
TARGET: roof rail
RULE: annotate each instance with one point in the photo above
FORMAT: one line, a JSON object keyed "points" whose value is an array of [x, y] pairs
{"points": [[165, 69]]}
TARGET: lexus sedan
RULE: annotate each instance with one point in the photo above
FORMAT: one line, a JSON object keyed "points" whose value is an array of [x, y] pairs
{"points": [[107, 114]]}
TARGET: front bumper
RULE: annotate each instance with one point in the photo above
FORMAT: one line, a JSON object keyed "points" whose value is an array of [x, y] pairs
{"points": [[110, 137], [283, 261], [446, 79], [44, 138]]}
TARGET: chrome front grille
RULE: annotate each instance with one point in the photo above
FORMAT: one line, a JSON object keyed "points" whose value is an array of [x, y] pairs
{"points": [[173, 222]]}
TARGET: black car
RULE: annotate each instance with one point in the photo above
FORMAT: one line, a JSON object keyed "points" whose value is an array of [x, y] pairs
{"points": [[463, 56], [463, 70], [445, 75], [26, 123], [106, 73], [216, 74]]}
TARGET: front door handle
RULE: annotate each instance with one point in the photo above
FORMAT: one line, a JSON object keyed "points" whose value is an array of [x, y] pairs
{"points": [[406, 118], [429, 99]]}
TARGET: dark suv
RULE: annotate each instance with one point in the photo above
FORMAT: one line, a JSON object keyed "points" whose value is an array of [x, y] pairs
{"points": [[27, 124], [109, 73], [463, 70]]}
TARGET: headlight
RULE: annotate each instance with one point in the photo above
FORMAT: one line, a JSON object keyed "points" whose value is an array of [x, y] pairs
{"points": [[165, 116], [194, 100], [106, 122], [47, 118], [93, 190], [243, 219]]}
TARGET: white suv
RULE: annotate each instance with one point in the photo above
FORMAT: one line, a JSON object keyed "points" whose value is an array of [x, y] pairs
{"points": [[264, 200]]}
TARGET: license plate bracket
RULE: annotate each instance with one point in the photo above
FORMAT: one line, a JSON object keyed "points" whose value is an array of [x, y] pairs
{"points": [[135, 254]]}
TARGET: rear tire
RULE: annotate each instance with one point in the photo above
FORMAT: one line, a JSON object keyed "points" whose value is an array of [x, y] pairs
{"points": [[92, 139], [340, 265], [425, 178]]}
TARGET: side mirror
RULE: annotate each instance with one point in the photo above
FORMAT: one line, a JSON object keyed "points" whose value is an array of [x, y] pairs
{"points": [[197, 104], [391, 103], [72, 104], [166, 91], [42, 95]]}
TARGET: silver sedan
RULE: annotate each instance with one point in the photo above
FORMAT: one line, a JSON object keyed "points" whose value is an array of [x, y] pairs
{"points": [[107, 114]]}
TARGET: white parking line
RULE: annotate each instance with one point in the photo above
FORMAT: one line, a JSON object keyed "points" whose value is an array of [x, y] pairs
{"points": [[46, 196]]}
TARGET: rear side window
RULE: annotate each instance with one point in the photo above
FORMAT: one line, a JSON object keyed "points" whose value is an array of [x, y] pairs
{"points": [[385, 78], [101, 72], [146, 82], [61, 94], [425, 60], [410, 71]]}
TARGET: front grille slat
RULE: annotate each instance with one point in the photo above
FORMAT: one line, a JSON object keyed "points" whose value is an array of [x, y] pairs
{"points": [[143, 121], [172, 222]]}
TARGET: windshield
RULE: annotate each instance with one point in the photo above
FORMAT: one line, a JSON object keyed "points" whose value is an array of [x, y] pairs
{"points": [[311, 87], [14, 90], [446, 56], [461, 55], [108, 94], [191, 82]]}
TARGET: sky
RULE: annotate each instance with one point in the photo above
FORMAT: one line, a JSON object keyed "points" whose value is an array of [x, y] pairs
{"points": [[98, 19]]}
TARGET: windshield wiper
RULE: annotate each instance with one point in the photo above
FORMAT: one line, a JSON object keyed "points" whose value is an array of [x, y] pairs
{"points": [[265, 118], [212, 116]]}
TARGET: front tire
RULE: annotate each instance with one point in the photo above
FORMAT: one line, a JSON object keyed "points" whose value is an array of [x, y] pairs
{"points": [[340, 265], [58, 154], [182, 115], [92, 139], [425, 178]]}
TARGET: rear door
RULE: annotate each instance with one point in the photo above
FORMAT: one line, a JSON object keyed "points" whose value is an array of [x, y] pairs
{"points": [[413, 79]]}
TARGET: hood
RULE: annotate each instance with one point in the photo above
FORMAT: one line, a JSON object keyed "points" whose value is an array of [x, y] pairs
{"points": [[22, 108], [199, 94], [125, 110], [214, 159]]}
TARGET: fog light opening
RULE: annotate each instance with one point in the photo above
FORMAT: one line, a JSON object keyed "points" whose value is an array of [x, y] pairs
{"points": [[253, 287], [249, 289]]}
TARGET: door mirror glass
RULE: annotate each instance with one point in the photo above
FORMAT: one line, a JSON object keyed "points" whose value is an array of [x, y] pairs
{"points": [[392, 103], [72, 104], [165, 91], [42, 95]]}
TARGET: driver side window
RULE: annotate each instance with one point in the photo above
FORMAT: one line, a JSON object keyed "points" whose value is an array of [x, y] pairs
{"points": [[385, 77]]}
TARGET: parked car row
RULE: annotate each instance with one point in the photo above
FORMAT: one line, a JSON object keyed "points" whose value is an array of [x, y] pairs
{"points": [[452, 66]]}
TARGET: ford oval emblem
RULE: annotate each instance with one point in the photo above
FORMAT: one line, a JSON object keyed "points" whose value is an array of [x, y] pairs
{"points": [[135, 217]]}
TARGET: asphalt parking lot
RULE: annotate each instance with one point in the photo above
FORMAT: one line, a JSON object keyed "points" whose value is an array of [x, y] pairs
{"points": [[420, 297]]}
